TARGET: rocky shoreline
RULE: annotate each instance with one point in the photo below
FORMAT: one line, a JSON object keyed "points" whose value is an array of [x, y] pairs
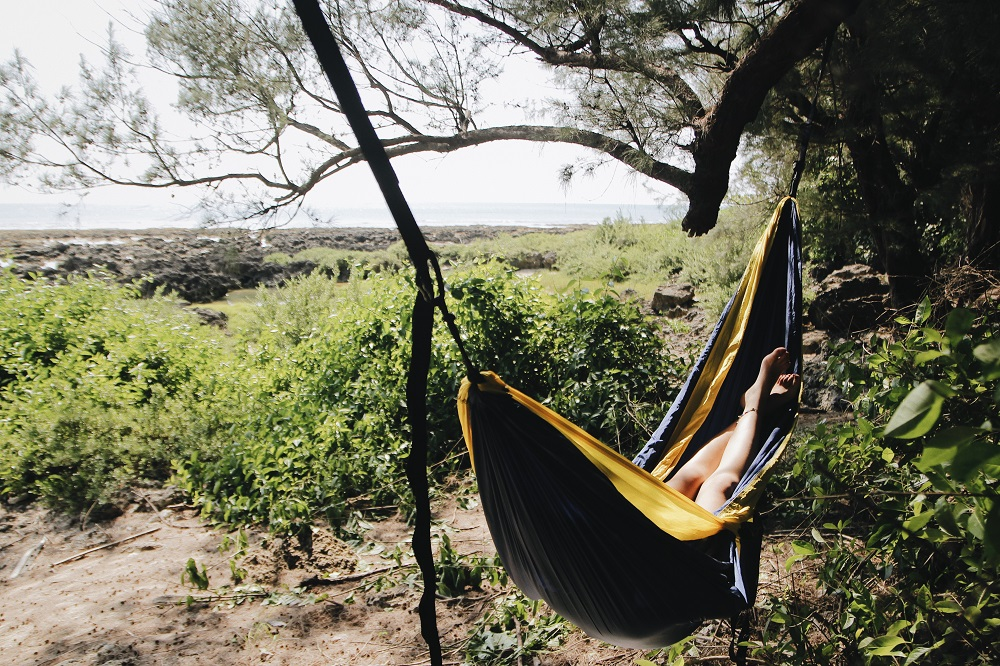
{"points": [[202, 265]]}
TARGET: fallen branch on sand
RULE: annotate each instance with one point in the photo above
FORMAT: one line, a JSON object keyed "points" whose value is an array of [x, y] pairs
{"points": [[28, 554], [107, 545]]}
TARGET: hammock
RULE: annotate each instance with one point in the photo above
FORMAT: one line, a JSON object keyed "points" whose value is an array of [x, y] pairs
{"points": [[602, 539], [563, 509]]}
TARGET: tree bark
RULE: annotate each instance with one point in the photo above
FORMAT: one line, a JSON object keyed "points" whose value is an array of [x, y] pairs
{"points": [[793, 38], [982, 210], [888, 200]]}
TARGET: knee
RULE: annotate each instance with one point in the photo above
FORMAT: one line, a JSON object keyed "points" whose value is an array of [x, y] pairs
{"points": [[721, 483], [688, 479]]}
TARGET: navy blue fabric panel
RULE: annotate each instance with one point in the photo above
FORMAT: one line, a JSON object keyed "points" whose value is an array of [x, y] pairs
{"points": [[651, 454], [774, 322], [566, 535]]}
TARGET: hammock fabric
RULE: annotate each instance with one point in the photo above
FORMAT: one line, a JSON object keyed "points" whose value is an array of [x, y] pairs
{"points": [[603, 540]]}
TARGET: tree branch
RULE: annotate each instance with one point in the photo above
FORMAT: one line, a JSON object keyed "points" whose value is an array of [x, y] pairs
{"points": [[408, 145], [570, 56], [794, 37]]}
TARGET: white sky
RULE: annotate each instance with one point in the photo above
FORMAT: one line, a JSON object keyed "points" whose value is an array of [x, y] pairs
{"points": [[52, 34]]}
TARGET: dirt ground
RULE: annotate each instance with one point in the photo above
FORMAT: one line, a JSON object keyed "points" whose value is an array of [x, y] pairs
{"points": [[132, 604]]}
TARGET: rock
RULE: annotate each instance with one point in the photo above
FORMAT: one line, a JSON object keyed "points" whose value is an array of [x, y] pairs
{"points": [[211, 317], [850, 299], [534, 260], [673, 300], [202, 265], [818, 392], [197, 287], [813, 342], [159, 498]]}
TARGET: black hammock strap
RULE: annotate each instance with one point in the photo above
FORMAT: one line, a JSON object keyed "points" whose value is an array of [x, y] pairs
{"points": [[430, 296], [807, 128]]}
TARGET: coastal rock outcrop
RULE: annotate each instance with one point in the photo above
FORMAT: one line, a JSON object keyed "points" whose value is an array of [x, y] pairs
{"points": [[202, 265], [673, 300]]}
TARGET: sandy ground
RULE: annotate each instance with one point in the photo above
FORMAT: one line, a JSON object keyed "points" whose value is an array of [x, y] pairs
{"points": [[127, 605]]}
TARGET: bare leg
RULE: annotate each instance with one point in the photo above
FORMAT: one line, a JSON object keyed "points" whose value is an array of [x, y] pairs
{"points": [[702, 464], [719, 485], [690, 477]]}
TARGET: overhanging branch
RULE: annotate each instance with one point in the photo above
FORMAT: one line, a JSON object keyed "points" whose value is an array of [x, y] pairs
{"points": [[793, 38]]}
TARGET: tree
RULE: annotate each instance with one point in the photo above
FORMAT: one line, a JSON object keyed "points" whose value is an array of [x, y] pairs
{"points": [[666, 87], [909, 149]]}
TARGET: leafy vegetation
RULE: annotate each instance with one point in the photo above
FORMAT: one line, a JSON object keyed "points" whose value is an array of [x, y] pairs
{"points": [[302, 413], [901, 506], [325, 425], [99, 388]]}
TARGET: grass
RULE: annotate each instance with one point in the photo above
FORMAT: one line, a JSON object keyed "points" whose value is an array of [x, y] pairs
{"points": [[618, 254]]}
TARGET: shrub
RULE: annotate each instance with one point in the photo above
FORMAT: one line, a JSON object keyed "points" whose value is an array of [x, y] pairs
{"points": [[905, 529], [325, 420], [102, 389]]}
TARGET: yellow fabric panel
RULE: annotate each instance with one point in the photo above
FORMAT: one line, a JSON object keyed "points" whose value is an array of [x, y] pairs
{"points": [[721, 358], [494, 385], [671, 511]]}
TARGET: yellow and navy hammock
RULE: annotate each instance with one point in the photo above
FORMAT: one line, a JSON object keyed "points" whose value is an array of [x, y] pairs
{"points": [[602, 539]]}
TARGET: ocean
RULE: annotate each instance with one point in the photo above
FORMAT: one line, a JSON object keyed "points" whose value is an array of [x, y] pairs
{"points": [[82, 217]]}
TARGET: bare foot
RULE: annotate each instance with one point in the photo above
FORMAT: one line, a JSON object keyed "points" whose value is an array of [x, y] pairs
{"points": [[785, 390], [772, 368]]}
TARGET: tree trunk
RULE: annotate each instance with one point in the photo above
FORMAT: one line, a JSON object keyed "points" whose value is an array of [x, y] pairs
{"points": [[793, 38], [888, 200], [982, 211]]}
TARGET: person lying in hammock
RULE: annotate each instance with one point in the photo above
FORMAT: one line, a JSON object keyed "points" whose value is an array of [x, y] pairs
{"points": [[711, 475]]}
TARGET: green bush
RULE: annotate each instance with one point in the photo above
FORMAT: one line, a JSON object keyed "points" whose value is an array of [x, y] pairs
{"points": [[301, 413], [902, 504], [324, 418], [101, 389]]}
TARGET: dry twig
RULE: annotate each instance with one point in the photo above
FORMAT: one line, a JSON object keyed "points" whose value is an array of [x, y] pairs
{"points": [[107, 545]]}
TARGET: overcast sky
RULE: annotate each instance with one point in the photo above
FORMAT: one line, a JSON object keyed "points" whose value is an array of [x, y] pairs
{"points": [[52, 34]]}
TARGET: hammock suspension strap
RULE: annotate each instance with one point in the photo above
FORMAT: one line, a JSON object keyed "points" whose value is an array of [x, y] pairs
{"points": [[806, 135], [431, 291]]}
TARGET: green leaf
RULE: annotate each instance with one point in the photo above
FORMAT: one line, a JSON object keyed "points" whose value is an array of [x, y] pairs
{"points": [[888, 455], [947, 517], [885, 646], [958, 324], [917, 523], [923, 311], [917, 414], [929, 355], [989, 355], [972, 457], [942, 447], [897, 627], [918, 653], [942, 389], [948, 606], [976, 527], [988, 352]]}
